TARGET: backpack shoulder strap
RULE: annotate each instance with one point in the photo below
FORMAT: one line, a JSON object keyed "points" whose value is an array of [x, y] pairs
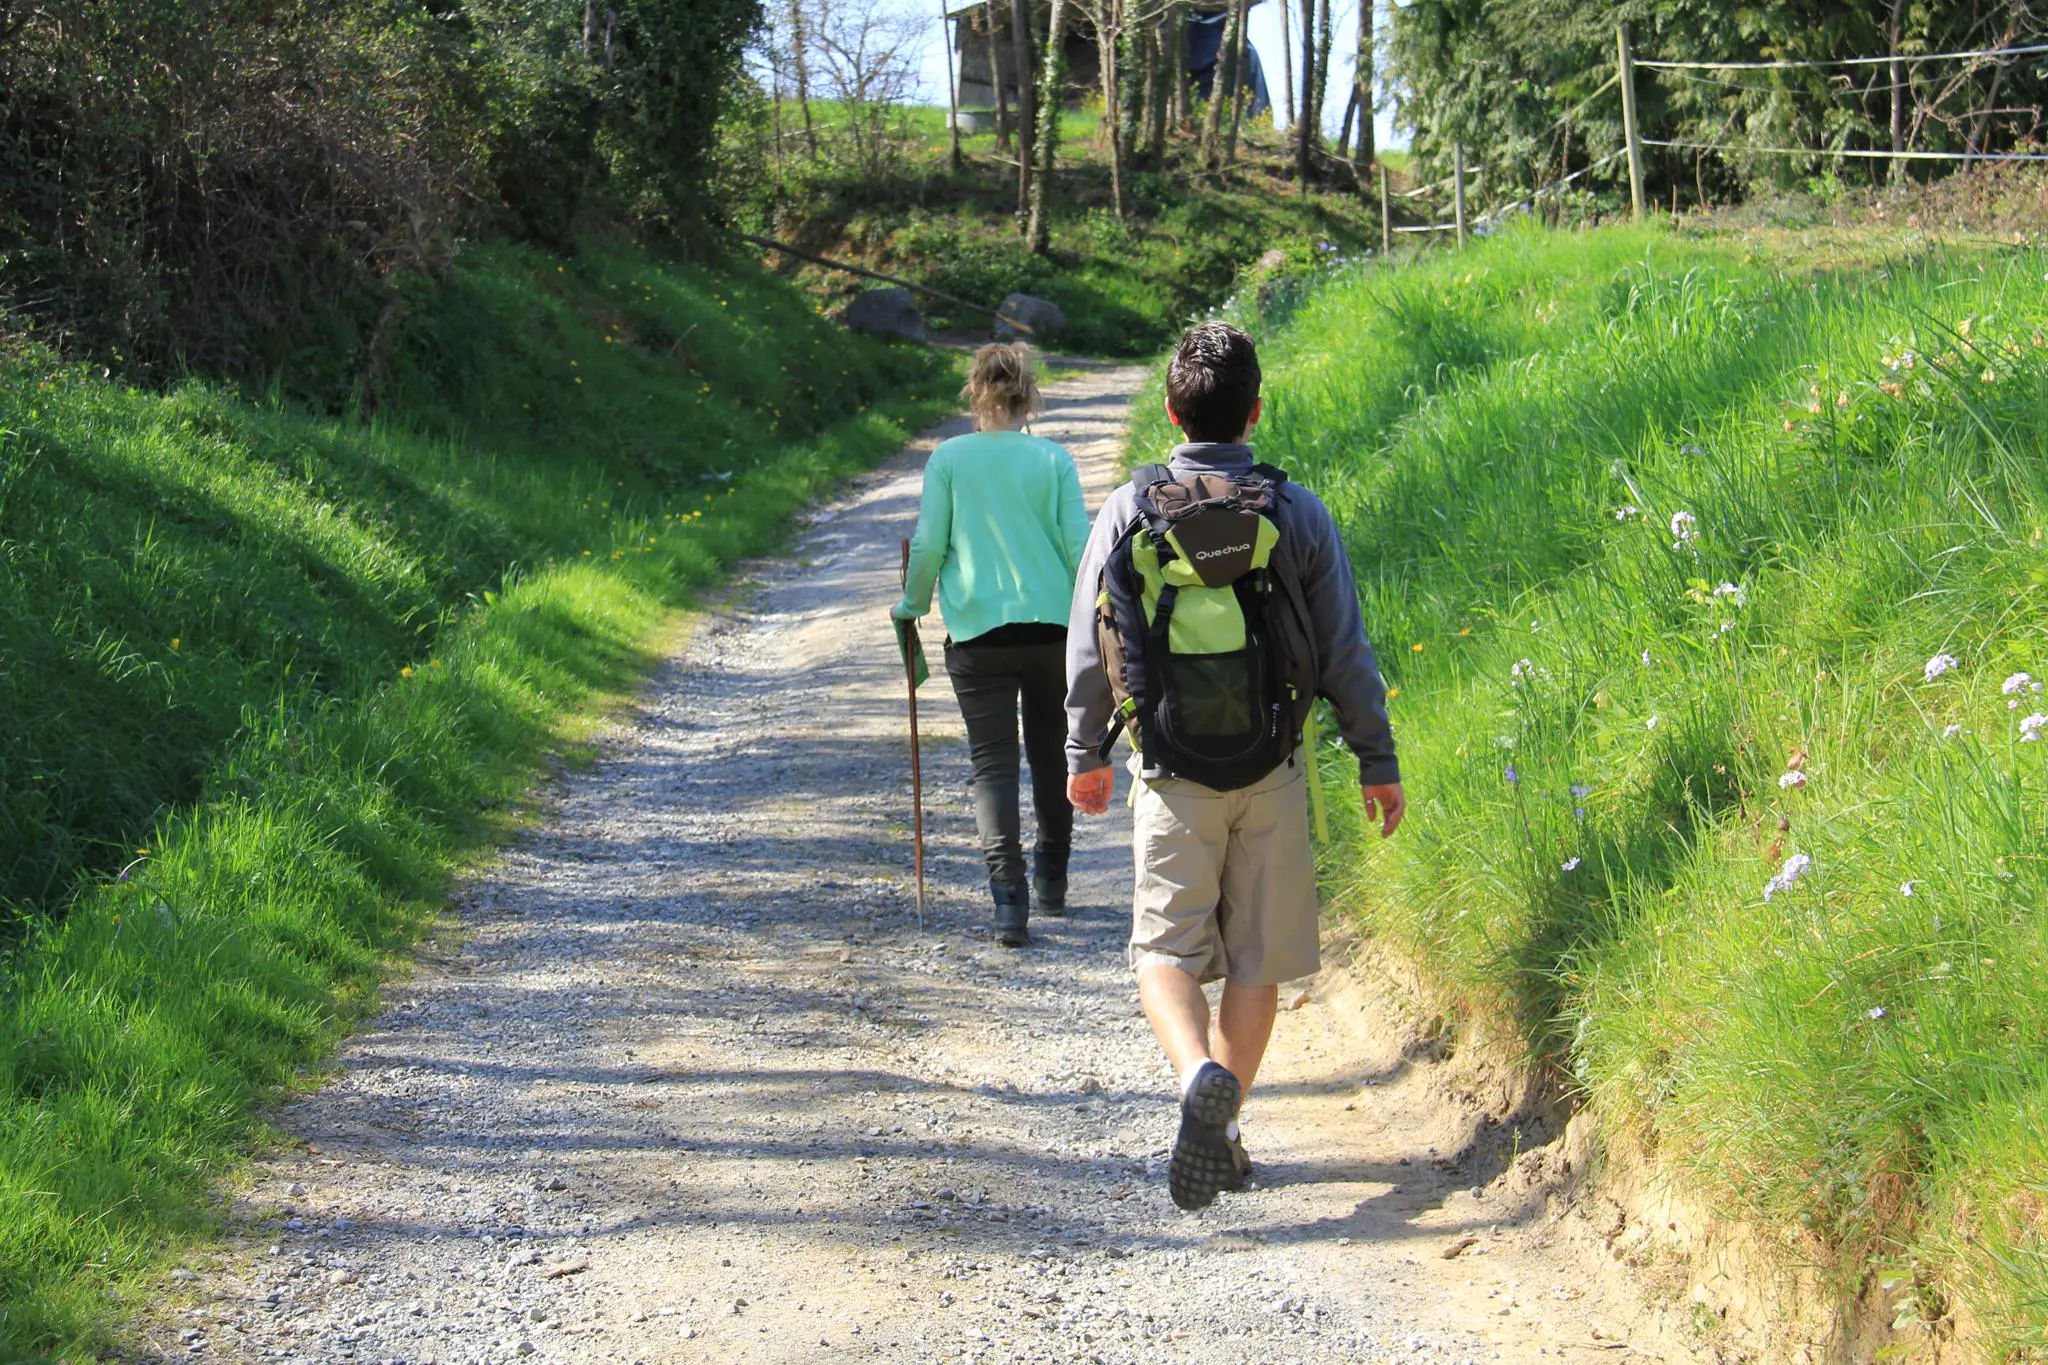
{"points": [[1274, 475], [1144, 476]]}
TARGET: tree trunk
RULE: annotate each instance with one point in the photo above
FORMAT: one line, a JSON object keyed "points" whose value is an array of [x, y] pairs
{"points": [[1219, 86], [1155, 91], [1304, 126], [589, 26], [1020, 47], [1131, 44], [1367, 146], [1177, 63], [1038, 233], [1109, 48], [995, 76], [953, 158], [1323, 37], [799, 47], [1287, 64], [1240, 81]]}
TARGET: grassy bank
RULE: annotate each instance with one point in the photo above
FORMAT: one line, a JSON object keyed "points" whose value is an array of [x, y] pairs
{"points": [[267, 677], [1713, 592], [1126, 285]]}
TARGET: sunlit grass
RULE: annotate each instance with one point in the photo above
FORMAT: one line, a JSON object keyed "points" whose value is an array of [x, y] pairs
{"points": [[266, 677], [1677, 533]]}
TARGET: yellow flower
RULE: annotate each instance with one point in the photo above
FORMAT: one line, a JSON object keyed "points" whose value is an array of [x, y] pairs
{"points": [[1393, 692], [142, 853], [1466, 631], [1416, 648], [433, 663], [175, 642], [405, 672]]}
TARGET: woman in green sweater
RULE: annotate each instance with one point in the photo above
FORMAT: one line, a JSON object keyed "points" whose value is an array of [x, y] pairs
{"points": [[1000, 533]]}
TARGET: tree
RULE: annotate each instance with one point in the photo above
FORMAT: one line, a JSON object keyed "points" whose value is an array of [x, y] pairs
{"points": [[1051, 96], [1362, 82], [1305, 130], [1240, 87], [1108, 18], [1020, 48], [800, 68], [1222, 75]]}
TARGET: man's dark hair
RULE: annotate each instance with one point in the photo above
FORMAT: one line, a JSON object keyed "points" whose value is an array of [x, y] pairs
{"points": [[1212, 382]]}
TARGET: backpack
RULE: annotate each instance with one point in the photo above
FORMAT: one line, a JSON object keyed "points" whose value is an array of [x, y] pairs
{"points": [[1202, 631]]}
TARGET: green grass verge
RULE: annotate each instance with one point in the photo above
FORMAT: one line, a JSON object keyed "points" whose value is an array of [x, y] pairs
{"points": [[1657, 539], [270, 677]]}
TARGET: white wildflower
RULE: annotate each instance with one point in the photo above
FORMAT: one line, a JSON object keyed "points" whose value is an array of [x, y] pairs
{"points": [[1792, 780], [1874, 1012], [2016, 684], [1951, 731], [1738, 595], [1570, 863], [1685, 529], [1940, 664], [2031, 726], [1646, 658], [1906, 888], [1796, 866], [1627, 512], [1651, 723]]}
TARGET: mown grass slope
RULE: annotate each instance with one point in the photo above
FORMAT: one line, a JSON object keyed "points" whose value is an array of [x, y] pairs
{"points": [[265, 675], [1715, 598]]}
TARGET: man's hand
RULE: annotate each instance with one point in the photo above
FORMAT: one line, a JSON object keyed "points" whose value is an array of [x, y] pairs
{"points": [[1089, 793], [1383, 803]]}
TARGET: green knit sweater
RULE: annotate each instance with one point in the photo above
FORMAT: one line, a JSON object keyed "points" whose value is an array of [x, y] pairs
{"points": [[1000, 532]]}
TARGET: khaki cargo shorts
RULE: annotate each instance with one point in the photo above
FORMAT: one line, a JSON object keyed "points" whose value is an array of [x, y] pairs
{"points": [[1226, 881]]}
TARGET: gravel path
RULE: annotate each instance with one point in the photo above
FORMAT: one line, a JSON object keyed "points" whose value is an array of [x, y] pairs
{"points": [[693, 1085]]}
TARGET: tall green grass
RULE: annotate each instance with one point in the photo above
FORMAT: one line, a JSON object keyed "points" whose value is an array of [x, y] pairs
{"points": [[266, 676], [1658, 541]]}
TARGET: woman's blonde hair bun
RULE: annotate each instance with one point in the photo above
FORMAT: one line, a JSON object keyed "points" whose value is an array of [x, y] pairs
{"points": [[1002, 385]]}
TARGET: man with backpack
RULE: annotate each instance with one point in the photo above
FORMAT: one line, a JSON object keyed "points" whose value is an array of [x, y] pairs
{"points": [[1214, 605]]}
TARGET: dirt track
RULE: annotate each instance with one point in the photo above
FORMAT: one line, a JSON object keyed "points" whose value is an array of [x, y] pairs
{"points": [[693, 1085]]}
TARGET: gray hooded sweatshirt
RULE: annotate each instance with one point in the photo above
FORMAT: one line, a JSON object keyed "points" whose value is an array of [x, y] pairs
{"points": [[1349, 676]]}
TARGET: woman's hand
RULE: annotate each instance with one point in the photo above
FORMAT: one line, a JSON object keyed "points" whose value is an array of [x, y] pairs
{"points": [[903, 611]]}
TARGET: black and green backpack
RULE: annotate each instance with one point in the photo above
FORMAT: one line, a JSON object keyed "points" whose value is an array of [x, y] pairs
{"points": [[1201, 628]]}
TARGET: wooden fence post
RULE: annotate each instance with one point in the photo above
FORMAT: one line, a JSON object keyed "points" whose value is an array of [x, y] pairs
{"points": [[1628, 120], [1386, 215], [1458, 187]]}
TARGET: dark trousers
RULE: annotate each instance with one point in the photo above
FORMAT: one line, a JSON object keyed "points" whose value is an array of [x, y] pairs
{"points": [[991, 681]]}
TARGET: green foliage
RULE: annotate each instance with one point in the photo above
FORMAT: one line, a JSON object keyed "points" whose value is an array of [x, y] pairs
{"points": [[1499, 75], [237, 187], [267, 673], [1642, 527], [1127, 286]]}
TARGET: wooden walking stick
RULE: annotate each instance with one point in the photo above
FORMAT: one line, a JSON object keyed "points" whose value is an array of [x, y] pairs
{"points": [[914, 672]]}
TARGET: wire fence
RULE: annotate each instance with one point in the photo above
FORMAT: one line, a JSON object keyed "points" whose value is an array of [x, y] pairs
{"points": [[1459, 181]]}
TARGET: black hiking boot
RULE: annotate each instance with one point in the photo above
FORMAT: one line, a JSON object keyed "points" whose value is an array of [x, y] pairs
{"points": [[1203, 1162], [1049, 894], [1013, 911]]}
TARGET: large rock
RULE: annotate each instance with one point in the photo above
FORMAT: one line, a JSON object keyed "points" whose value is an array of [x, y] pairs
{"points": [[1024, 318], [886, 312]]}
